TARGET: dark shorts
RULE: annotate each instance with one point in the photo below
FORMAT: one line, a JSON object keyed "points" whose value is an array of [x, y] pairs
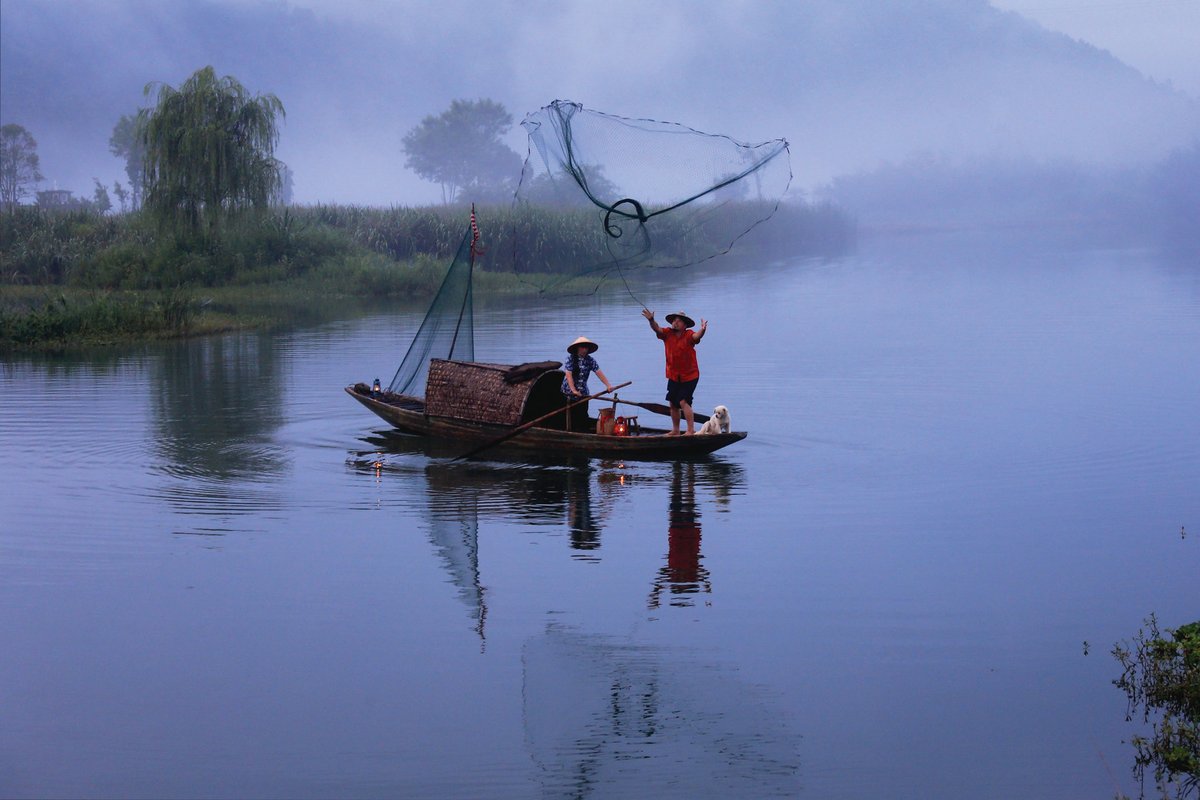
{"points": [[680, 390]]}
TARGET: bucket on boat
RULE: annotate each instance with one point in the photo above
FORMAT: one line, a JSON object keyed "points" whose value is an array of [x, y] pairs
{"points": [[605, 422]]}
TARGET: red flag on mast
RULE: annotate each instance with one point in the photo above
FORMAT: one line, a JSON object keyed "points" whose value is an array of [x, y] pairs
{"points": [[475, 251]]}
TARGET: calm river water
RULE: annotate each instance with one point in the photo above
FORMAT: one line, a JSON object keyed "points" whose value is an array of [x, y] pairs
{"points": [[972, 468]]}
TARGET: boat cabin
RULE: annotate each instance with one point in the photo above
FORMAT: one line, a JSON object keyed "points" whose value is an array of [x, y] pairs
{"points": [[499, 394]]}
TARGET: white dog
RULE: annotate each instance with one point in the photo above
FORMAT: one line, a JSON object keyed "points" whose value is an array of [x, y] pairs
{"points": [[718, 422]]}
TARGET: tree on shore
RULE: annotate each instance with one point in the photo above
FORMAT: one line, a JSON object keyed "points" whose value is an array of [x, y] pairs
{"points": [[209, 151], [562, 190], [100, 199], [122, 195], [19, 172], [282, 197], [127, 143], [461, 150]]}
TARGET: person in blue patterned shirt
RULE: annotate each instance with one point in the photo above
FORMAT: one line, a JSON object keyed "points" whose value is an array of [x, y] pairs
{"points": [[578, 368]]}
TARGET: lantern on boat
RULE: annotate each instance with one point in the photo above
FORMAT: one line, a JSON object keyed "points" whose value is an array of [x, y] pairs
{"points": [[376, 389], [620, 427]]}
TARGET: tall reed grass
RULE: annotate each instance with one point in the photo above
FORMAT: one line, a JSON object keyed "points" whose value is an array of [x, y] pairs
{"points": [[121, 276]]}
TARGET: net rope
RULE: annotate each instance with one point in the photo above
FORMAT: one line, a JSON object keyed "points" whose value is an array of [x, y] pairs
{"points": [[663, 195]]}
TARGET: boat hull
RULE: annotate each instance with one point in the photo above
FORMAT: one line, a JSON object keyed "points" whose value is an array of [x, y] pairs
{"points": [[649, 444]]}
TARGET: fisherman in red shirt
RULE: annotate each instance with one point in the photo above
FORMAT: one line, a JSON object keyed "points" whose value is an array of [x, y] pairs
{"points": [[679, 342]]}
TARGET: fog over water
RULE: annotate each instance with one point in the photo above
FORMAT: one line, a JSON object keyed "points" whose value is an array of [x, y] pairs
{"points": [[970, 467], [851, 84], [221, 577]]}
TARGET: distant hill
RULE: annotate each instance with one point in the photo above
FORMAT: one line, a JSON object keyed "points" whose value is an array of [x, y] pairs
{"points": [[851, 83]]}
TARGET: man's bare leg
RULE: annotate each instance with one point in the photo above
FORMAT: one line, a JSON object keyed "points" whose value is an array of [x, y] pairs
{"points": [[687, 413], [674, 420]]}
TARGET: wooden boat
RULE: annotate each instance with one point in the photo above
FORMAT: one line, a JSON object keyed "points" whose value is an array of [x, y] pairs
{"points": [[475, 403]]}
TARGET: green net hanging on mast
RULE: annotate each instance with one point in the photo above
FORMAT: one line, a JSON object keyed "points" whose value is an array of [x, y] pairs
{"points": [[448, 330], [642, 193]]}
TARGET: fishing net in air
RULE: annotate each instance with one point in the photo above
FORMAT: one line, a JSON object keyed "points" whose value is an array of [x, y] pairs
{"points": [[601, 193]]}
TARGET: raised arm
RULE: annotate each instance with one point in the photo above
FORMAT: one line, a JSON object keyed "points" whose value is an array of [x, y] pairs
{"points": [[649, 315], [698, 334], [600, 375]]}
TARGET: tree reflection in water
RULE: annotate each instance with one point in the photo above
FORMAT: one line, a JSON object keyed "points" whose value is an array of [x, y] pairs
{"points": [[217, 413], [216, 409]]}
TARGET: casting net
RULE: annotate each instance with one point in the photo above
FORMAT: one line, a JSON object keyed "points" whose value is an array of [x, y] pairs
{"points": [[636, 193], [600, 195]]}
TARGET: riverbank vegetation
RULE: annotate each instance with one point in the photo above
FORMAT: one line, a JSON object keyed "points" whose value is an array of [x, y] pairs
{"points": [[1161, 681], [214, 235], [81, 276]]}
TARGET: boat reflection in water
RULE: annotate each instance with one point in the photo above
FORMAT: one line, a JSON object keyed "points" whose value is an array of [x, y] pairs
{"points": [[605, 715], [572, 491], [609, 717]]}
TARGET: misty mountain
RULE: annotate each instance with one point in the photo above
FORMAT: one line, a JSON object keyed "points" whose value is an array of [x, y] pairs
{"points": [[851, 83]]}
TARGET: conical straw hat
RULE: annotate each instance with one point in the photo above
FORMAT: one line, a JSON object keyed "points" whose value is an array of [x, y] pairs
{"points": [[591, 346]]}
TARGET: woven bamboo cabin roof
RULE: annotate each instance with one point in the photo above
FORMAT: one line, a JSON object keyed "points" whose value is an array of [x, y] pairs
{"points": [[479, 392]]}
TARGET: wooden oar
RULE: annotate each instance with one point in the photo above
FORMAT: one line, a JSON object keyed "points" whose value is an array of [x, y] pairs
{"points": [[659, 408], [533, 422]]}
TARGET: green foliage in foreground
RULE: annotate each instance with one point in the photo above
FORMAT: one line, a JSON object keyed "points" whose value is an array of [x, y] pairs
{"points": [[1162, 682]]}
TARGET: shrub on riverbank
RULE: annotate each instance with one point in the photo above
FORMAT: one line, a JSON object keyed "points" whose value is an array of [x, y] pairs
{"points": [[36, 316], [1161, 680], [88, 250]]}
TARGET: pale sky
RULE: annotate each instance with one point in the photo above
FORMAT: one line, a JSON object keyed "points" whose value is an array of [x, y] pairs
{"points": [[415, 55], [1160, 38]]}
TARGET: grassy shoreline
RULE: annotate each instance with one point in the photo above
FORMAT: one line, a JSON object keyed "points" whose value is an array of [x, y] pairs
{"points": [[54, 318], [78, 278]]}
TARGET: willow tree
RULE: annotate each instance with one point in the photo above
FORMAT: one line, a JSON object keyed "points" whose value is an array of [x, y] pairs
{"points": [[209, 151]]}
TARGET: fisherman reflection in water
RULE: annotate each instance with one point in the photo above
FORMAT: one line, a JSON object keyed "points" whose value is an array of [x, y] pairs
{"points": [[683, 576], [581, 522]]}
